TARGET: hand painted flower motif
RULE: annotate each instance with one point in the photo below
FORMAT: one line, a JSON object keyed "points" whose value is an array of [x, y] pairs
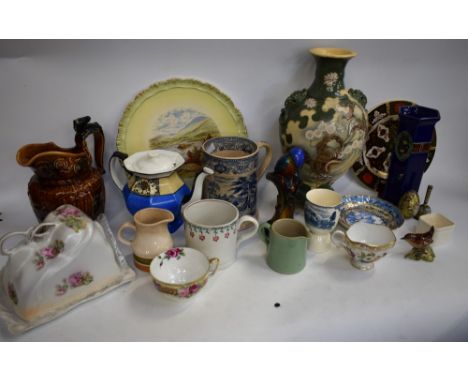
{"points": [[12, 293], [226, 235], [80, 278], [38, 261], [67, 211], [75, 280], [72, 217], [188, 291], [173, 253], [202, 237], [330, 79], [330, 129], [62, 288], [309, 135], [310, 103], [52, 252], [74, 223], [192, 234], [215, 238], [49, 253]]}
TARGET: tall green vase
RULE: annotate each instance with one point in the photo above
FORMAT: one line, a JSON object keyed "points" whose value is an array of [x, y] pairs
{"points": [[327, 120]]}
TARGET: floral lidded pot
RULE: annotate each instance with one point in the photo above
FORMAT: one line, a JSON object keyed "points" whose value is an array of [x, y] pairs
{"points": [[327, 120]]}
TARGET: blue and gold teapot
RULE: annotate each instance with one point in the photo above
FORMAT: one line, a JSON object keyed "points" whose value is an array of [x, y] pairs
{"points": [[152, 181]]}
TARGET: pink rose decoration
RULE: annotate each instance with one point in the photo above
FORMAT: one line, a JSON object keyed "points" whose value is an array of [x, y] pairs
{"points": [[75, 279], [215, 238], [194, 288], [184, 292], [69, 211], [201, 237], [192, 234], [173, 252], [48, 252], [226, 235]]}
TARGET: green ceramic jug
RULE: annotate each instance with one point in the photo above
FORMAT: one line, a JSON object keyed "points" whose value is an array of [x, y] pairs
{"points": [[287, 242]]}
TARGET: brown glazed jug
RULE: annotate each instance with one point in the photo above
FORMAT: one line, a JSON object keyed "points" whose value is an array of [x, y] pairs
{"points": [[66, 176]]}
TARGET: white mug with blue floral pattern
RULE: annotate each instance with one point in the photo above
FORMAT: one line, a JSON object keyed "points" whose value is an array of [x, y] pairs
{"points": [[212, 227]]}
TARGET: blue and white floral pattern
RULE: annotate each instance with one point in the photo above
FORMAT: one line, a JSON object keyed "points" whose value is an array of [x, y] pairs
{"points": [[235, 179], [371, 210], [320, 218]]}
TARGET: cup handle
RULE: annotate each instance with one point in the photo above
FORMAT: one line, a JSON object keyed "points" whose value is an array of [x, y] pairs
{"points": [[242, 236], [338, 238], [122, 227], [266, 159], [211, 271], [8, 252], [264, 232]]}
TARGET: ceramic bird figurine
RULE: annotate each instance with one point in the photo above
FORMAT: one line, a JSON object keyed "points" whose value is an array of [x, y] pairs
{"points": [[421, 243], [286, 178]]}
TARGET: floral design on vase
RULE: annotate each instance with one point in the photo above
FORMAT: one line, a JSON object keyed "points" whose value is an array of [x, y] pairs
{"points": [[12, 293], [75, 280], [327, 120], [330, 79], [49, 253], [173, 253], [72, 217]]}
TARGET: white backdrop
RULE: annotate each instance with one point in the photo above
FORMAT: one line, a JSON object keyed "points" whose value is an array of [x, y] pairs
{"points": [[44, 85]]}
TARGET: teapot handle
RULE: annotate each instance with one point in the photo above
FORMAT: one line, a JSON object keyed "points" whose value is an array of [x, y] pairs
{"points": [[83, 129], [120, 156]]}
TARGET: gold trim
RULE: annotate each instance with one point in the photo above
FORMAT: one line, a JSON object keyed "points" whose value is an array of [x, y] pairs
{"points": [[201, 279], [376, 247]]}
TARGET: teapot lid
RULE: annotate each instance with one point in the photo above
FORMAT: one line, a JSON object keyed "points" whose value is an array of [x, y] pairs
{"points": [[153, 162]]}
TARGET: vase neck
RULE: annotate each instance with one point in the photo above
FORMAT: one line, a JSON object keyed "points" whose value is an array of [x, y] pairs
{"points": [[329, 77]]}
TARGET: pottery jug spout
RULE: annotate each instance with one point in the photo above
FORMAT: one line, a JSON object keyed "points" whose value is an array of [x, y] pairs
{"points": [[198, 186]]}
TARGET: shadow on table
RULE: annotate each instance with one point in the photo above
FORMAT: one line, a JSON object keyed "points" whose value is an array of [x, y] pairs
{"points": [[458, 333], [338, 265], [147, 301]]}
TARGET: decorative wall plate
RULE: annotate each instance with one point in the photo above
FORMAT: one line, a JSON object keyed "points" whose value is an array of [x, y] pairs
{"points": [[178, 114], [372, 167], [368, 209]]}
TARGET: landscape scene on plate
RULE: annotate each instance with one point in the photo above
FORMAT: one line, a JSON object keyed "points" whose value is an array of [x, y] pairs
{"points": [[184, 130]]}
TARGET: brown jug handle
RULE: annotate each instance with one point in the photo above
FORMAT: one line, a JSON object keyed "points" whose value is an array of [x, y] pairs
{"points": [[83, 129]]}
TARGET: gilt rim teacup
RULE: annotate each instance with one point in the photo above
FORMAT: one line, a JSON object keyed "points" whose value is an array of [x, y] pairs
{"points": [[181, 271], [365, 243]]}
